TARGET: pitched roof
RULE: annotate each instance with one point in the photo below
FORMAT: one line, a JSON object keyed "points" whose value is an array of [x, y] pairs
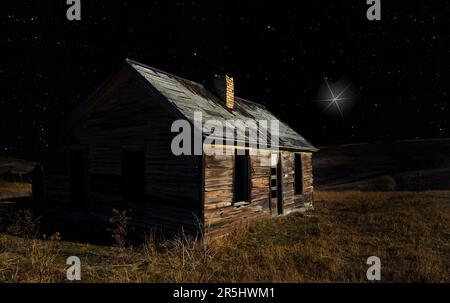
{"points": [[189, 97]]}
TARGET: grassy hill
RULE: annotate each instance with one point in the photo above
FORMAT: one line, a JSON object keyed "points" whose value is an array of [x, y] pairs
{"points": [[14, 164], [400, 165], [409, 231], [10, 190]]}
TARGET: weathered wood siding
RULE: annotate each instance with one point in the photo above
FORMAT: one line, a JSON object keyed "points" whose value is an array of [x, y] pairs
{"points": [[221, 215], [291, 201], [134, 118], [305, 201]]}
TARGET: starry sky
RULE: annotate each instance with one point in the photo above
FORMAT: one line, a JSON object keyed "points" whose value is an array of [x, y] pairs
{"points": [[279, 53]]}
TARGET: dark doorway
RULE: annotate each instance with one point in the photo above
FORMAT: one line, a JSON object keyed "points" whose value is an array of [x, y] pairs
{"points": [[279, 186], [78, 175], [133, 174]]}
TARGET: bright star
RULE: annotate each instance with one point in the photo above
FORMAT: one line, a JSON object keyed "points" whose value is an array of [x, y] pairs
{"points": [[337, 100]]}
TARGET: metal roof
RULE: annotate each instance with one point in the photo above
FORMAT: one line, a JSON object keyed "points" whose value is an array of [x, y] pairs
{"points": [[190, 97]]}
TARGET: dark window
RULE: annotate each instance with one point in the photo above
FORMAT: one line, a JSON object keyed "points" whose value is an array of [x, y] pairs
{"points": [[280, 200], [298, 174], [241, 177], [133, 175]]}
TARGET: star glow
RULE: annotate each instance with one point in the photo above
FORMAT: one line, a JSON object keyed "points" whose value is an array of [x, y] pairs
{"points": [[337, 96]]}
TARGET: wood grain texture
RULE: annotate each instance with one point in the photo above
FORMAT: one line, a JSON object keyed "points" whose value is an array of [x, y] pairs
{"points": [[132, 117]]}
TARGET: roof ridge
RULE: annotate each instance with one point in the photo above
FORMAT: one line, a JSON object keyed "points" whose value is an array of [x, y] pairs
{"points": [[185, 79], [128, 60]]}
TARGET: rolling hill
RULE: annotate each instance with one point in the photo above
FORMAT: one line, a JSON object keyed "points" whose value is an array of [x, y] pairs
{"points": [[412, 165]]}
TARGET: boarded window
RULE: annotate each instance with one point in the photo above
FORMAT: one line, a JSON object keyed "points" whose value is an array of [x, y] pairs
{"points": [[241, 177], [298, 174], [133, 175]]}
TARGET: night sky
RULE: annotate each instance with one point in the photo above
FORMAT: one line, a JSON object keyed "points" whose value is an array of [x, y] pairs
{"points": [[279, 53]]}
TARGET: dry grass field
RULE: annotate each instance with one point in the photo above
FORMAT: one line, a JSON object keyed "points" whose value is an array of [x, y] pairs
{"points": [[409, 231], [388, 200], [10, 190]]}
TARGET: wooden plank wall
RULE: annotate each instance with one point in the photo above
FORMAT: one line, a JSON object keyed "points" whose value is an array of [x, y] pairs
{"points": [[221, 216], [133, 118], [291, 201]]}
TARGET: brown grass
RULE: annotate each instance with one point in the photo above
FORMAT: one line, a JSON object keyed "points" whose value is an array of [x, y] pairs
{"points": [[10, 190], [410, 232]]}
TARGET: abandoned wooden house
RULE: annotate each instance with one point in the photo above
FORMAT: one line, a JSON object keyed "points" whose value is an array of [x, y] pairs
{"points": [[117, 154]]}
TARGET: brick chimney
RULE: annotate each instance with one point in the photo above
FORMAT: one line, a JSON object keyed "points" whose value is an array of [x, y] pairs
{"points": [[224, 86]]}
